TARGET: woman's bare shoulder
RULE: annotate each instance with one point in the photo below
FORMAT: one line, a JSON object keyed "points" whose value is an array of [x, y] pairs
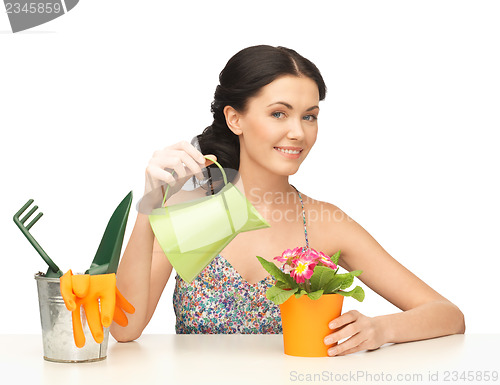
{"points": [[325, 213], [327, 224]]}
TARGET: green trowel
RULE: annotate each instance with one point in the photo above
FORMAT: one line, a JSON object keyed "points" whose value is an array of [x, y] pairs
{"points": [[108, 254]]}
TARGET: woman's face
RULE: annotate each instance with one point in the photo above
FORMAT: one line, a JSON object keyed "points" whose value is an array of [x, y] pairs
{"points": [[279, 126]]}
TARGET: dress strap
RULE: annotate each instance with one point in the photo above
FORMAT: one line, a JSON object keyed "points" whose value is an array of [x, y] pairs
{"points": [[303, 216]]}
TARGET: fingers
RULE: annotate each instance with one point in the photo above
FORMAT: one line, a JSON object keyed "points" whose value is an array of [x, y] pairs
{"points": [[180, 162], [189, 162], [156, 176], [73, 304], [92, 291], [119, 317], [78, 334], [343, 327], [344, 319], [65, 283], [94, 320], [353, 344], [345, 332], [106, 286], [122, 303], [358, 331], [180, 157], [190, 149]]}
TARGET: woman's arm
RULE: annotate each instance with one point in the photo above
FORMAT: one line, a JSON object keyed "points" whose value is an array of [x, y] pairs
{"points": [[426, 313], [144, 269], [141, 277]]}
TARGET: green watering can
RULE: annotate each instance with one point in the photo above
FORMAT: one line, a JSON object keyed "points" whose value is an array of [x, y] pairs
{"points": [[191, 234]]}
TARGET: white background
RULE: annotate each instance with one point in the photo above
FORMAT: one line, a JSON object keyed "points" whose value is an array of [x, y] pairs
{"points": [[407, 145]]}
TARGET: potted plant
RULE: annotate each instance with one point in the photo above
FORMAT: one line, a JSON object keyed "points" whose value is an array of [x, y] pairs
{"points": [[310, 292]]}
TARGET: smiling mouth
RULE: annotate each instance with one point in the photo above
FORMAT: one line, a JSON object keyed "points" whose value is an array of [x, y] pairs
{"points": [[289, 151]]}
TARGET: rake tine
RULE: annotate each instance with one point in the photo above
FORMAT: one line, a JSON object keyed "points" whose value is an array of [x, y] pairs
{"points": [[34, 220], [28, 215], [23, 209]]}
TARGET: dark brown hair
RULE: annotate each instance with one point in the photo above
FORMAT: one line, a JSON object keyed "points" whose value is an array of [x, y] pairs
{"points": [[243, 76]]}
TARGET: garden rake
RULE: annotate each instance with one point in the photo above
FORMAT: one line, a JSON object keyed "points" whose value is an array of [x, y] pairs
{"points": [[53, 271]]}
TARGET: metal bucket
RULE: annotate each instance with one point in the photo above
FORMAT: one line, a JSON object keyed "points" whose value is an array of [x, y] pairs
{"points": [[57, 327]]}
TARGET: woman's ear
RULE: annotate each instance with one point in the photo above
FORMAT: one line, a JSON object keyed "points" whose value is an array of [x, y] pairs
{"points": [[233, 119]]}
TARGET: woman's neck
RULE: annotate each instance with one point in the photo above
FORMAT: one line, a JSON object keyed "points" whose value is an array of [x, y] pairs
{"points": [[261, 187]]}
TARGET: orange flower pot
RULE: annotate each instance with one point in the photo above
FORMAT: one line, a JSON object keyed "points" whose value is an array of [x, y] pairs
{"points": [[305, 324]]}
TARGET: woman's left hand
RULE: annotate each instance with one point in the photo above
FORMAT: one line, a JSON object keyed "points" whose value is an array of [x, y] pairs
{"points": [[365, 333]]}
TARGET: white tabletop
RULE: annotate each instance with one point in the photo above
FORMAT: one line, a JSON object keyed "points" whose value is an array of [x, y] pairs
{"points": [[254, 359]]}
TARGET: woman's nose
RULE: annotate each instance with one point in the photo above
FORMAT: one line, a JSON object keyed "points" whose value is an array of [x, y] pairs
{"points": [[295, 129]]}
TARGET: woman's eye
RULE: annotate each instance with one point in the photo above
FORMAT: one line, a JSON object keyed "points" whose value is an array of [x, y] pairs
{"points": [[310, 118], [278, 115]]}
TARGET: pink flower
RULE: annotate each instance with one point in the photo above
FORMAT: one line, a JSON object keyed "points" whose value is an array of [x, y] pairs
{"points": [[301, 261], [303, 270], [326, 261], [288, 254], [301, 264], [310, 254]]}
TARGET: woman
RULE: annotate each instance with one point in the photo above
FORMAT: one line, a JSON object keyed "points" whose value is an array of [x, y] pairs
{"points": [[265, 113]]}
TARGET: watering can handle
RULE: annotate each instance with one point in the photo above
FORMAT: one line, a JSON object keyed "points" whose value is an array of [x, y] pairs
{"points": [[218, 165]]}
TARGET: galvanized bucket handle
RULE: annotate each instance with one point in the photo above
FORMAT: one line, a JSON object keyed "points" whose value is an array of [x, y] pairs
{"points": [[218, 165]]}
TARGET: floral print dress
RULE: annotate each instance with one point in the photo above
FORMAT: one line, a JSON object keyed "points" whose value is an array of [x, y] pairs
{"points": [[220, 301]]}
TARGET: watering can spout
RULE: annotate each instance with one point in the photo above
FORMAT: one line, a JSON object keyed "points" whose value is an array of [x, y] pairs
{"points": [[255, 220]]}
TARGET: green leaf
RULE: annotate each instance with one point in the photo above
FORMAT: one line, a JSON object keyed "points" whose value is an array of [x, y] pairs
{"points": [[315, 294], [274, 270], [356, 273], [282, 285], [357, 293], [321, 277], [279, 296], [349, 279], [335, 257], [339, 282], [300, 293]]}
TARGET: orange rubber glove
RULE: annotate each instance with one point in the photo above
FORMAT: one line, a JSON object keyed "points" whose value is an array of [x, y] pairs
{"points": [[87, 291]]}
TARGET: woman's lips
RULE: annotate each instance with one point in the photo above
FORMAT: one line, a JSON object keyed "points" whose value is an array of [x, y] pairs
{"points": [[289, 155]]}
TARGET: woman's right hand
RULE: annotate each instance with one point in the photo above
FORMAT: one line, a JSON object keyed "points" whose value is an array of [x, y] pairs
{"points": [[182, 157]]}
